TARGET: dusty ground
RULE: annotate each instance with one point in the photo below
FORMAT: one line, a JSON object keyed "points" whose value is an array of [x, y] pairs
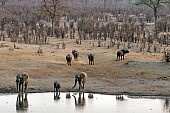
{"points": [[139, 74]]}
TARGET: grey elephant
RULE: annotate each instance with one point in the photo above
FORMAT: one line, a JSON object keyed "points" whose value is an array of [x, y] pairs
{"points": [[22, 80], [56, 90], [81, 78]]}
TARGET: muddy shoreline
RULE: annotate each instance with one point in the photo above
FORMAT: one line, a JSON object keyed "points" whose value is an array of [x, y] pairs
{"points": [[7, 91]]}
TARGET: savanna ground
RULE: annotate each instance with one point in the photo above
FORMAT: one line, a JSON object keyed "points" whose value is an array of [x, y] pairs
{"points": [[139, 74]]}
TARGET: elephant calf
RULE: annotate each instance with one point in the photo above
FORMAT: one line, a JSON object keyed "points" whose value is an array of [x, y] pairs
{"points": [[80, 78], [69, 58], [91, 59], [56, 90], [121, 53], [22, 80], [57, 87]]}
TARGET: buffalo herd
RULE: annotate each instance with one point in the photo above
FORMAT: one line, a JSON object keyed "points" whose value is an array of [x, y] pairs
{"points": [[75, 53]]}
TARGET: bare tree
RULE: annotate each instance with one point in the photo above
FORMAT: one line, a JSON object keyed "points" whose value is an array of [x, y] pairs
{"points": [[3, 3], [53, 8]]}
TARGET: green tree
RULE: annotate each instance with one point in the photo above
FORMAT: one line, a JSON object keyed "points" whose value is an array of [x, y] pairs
{"points": [[155, 5]]}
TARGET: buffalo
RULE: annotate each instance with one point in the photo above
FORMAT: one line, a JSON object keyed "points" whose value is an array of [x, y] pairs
{"points": [[75, 54], [121, 53], [69, 58], [91, 59]]}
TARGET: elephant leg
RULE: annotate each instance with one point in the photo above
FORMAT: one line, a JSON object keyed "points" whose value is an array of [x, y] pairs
{"points": [[89, 61], [93, 62], [22, 87], [83, 85], [58, 92], [26, 86], [123, 57], [19, 87], [54, 88]]}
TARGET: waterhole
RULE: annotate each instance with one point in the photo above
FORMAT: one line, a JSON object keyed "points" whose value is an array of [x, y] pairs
{"points": [[81, 102]]}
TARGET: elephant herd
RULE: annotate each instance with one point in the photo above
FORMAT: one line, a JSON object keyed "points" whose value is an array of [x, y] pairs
{"points": [[22, 80]]}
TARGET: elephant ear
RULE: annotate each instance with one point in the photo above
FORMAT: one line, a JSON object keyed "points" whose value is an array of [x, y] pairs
{"points": [[18, 78]]}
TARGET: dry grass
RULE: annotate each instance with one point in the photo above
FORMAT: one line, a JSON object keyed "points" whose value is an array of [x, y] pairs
{"points": [[139, 73]]}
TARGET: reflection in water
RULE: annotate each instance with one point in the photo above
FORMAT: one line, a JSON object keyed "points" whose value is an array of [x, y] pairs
{"points": [[81, 100], [56, 96], [22, 102], [81, 103], [166, 105], [119, 97], [68, 95]]}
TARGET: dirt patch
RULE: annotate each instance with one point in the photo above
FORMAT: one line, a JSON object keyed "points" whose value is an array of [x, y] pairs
{"points": [[138, 74]]}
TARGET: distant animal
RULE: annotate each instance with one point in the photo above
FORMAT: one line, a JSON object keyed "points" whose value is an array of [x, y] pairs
{"points": [[56, 90], [121, 53], [75, 54], [69, 58], [22, 80], [91, 59], [57, 87], [81, 78]]}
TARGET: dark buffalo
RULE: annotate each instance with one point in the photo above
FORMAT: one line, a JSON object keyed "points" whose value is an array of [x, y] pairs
{"points": [[91, 59], [69, 58], [121, 53], [75, 54]]}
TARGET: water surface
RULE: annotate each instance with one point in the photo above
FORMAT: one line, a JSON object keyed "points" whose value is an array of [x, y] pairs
{"points": [[80, 102]]}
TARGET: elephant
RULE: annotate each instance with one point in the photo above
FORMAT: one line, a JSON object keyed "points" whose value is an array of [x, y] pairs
{"points": [[69, 58], [81, 100], [81, 78], [121, 53], [56, 90], [91, 59], [22, 102], [75, 54], [22, 80]]}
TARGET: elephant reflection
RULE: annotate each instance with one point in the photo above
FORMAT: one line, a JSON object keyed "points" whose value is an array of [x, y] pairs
{"points": [[22, 80], [166, 105], [119, 97], [22, 102], [81, 100]]}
